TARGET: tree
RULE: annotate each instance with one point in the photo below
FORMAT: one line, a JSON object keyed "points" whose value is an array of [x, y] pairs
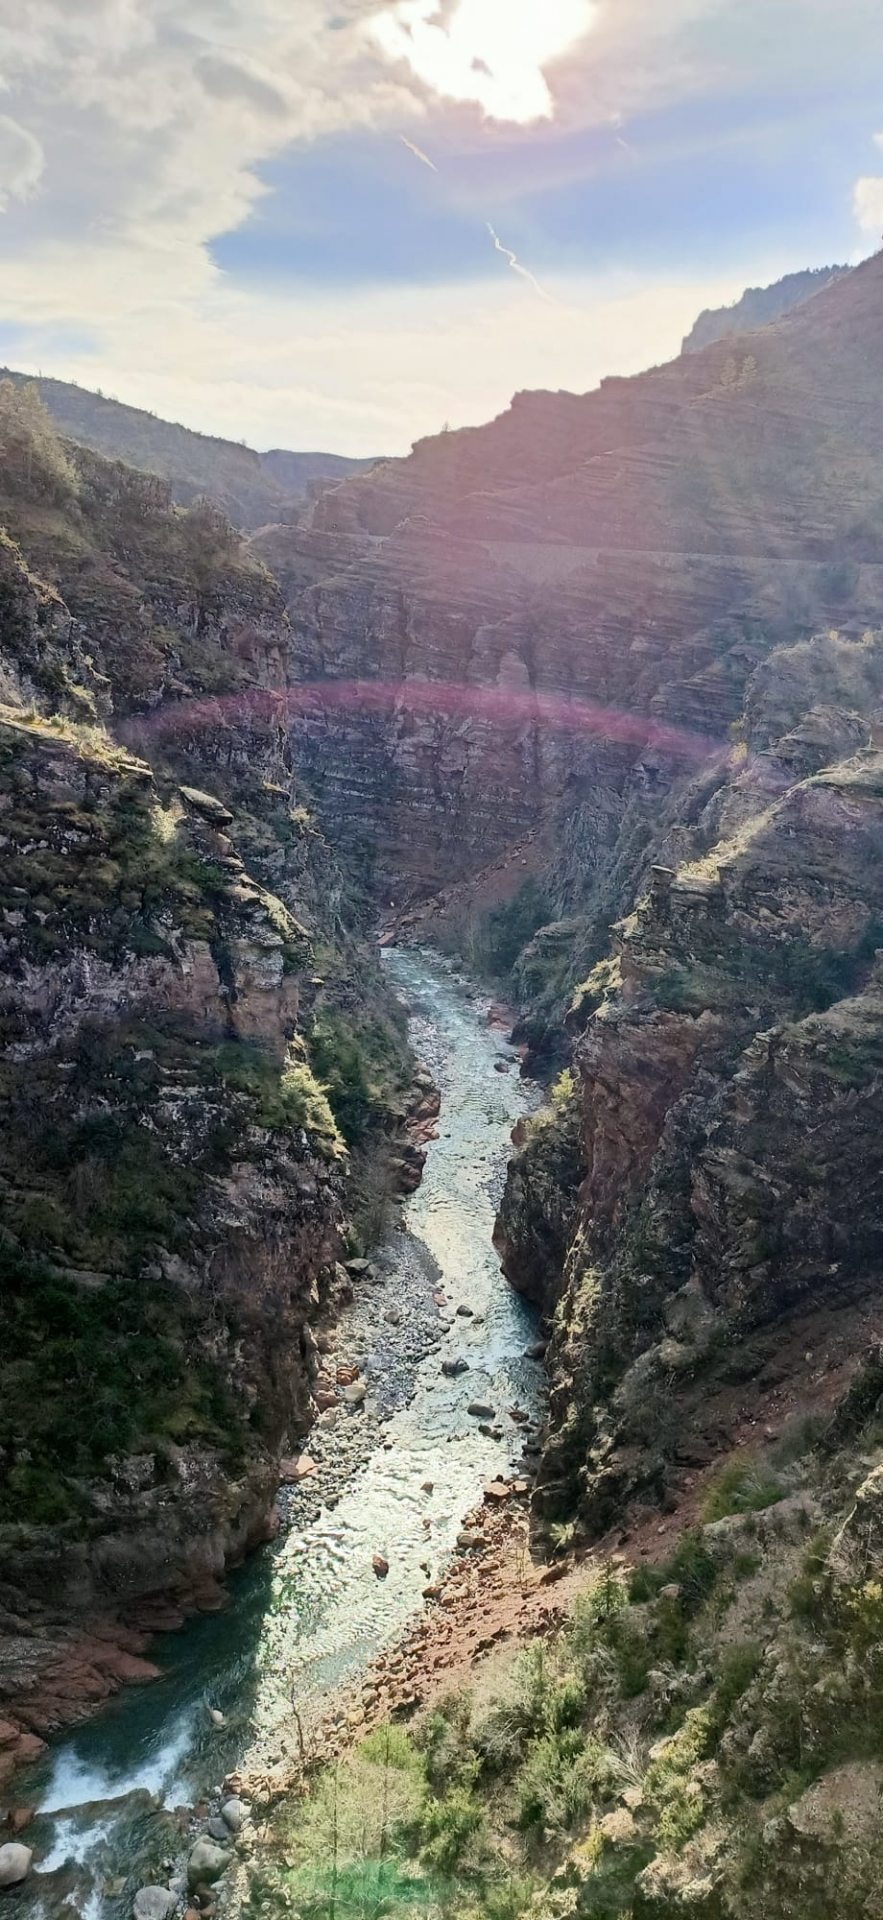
{"points": [[33, 459]]}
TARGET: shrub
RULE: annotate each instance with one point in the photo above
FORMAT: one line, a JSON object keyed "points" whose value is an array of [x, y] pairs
{"points": [[746, 1485]]}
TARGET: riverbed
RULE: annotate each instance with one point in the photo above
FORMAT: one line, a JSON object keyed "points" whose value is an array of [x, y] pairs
{"points": [[392, 1479]]}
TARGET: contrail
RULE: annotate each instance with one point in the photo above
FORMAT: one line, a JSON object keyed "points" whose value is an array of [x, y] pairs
{"points": [[514, 262], [418, 153]]}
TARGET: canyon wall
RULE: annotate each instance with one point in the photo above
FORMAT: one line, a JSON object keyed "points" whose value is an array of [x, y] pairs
{"points": [[178, 952]]}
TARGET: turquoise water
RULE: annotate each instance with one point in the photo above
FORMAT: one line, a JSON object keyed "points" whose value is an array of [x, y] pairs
{"points": [[308, 1613]]}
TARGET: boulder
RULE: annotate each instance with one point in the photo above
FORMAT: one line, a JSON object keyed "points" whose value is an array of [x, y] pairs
{"points": [[207, 1862], [291, 1472], [480, 1410], [380, 1565], [233, 1814], [451, 1368], [15, 1861], [355, 1394], [154, 1903]]}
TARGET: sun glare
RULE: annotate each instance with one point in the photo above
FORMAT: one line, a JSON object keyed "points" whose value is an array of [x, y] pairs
{"points": [[492, 52]]}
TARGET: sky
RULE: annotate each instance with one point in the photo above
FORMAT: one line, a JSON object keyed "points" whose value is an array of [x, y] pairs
{"points": [[344, 224]]}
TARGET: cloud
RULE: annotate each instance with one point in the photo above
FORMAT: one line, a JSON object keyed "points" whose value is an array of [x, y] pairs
{"points": [[21, 161], [867, 200], [491, 53], [135, 133]]}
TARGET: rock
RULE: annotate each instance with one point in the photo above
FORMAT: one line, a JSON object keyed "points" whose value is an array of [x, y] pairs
{"points": [[207, 1862], [233, 1814], [380, 1565], [497, 1490], [427, 1486], [20, 1817], [479, 1410], [347, 1375], [356, 1394], [537, 1350], [465, 1312], [359, 1269], [469, 1541], [216, 1828], [451, 1368], [291, 1472], [217, 1718], [501, 1066], [153, 1903], [15, 1861]]}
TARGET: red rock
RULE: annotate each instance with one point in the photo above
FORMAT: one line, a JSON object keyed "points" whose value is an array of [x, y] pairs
{"points": [[293, 1471], [497, 1490], [380, 1565]]}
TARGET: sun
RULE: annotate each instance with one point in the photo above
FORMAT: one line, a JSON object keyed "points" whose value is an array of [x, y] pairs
{"points": [[491, 52]]}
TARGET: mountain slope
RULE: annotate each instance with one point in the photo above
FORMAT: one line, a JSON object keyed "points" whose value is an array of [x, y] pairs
{"points": [[253, 488], [758, 306]]}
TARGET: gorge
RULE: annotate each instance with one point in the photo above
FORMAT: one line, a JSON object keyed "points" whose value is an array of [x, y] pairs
{"points": [[590, 700]]}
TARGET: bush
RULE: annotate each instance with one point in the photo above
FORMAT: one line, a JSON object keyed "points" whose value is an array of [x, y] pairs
{"points": [[746, 1485]]}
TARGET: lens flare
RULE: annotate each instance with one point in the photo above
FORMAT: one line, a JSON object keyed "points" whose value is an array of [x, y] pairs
{"points": [[490, 706], [493, 53]]}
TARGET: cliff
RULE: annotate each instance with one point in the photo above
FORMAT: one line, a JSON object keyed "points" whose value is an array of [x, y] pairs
{"points": [[177, 955], [638, 550]]}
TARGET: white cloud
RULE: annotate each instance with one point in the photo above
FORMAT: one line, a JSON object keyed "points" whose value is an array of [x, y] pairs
{"points": [[137, 131], [21, 161], [492, 53], [867, 200]]}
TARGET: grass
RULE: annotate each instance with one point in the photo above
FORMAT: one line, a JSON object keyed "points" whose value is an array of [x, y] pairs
{"points": [[747, 1484]]}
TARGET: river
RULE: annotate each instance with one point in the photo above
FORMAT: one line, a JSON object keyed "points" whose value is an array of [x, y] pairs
{"points": [[308, 1613]]}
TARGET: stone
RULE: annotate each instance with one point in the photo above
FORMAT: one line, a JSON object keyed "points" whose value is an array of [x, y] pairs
{"points": [[465, 1312], [380, 1565], [291, 1472], [537, 1350], [15, 1861], [427, 1486], [479, 1410], [217, 1718], [233, 1813], [216, 1829], [470, 1541], [497, 1490], [153, 1903], [20, 1817], [207, 1861], [451, 1368]]}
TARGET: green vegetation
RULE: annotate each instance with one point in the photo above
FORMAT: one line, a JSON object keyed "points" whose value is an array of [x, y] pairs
{"points": [[746, 1485], [89, 1370], [33, 460], [359, 1058]]}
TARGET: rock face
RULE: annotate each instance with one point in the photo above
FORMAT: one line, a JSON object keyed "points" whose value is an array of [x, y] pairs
{"points": [[727, 1097], [639, 549], [173, 1173]]}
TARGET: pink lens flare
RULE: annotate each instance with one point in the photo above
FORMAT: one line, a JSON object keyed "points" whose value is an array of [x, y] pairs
{"points": [[492, 706]]}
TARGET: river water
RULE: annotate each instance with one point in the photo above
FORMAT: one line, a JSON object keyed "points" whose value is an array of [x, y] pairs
{"points": [[309, 1613]]}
